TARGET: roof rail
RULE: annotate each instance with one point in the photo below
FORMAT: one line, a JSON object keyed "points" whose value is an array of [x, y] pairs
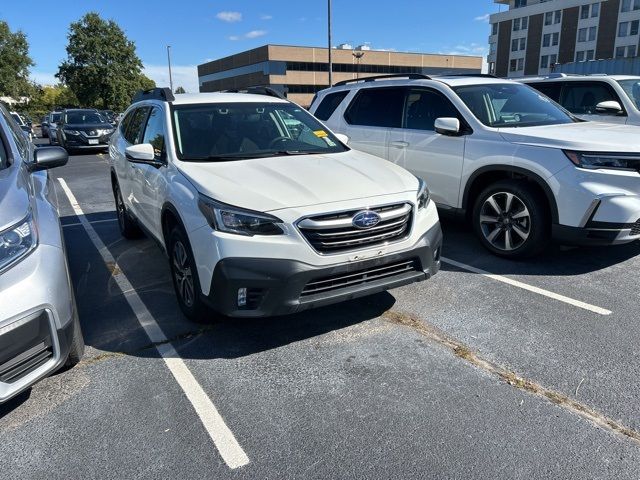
{"points": [[471, 75], [410, 76], [163, 94], [260, 90]]}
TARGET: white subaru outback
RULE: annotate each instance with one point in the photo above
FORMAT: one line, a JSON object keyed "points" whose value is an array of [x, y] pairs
{"points": [[499, 153], [262, 210]]}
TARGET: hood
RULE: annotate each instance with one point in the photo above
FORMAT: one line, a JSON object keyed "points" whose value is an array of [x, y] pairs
{"points": [[14, 197], [267, 184], [581, 136]]}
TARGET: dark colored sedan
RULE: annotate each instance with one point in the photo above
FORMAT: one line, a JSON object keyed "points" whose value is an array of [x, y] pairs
{"points": [[83, 129]]}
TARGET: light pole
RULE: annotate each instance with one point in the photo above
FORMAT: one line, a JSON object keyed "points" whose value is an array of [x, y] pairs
{"points": [[329, 35], [169, 60], [357, 54]]}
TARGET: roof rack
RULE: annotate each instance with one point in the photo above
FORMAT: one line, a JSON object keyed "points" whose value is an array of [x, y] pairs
{"points": [[410, 76], [261, 90], [163, 94], [471, 75]]}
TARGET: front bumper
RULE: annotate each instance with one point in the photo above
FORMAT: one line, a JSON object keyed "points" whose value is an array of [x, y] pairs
{"points": [[280, 286], [37, 318], [81, 142], [597, 234]]}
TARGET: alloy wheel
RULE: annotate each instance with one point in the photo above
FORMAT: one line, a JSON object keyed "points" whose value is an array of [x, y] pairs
{"points": [[182, 273], [505, 221]]}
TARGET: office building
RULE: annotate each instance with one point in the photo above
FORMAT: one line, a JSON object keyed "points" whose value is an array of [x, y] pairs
{"points": [[302, 71], [532, 36]]}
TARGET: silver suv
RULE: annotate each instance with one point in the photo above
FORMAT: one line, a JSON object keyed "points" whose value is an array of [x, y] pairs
{"points": [[39, 328]]}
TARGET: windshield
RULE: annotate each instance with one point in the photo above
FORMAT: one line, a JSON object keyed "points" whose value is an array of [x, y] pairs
{"points": [[632, 89], [55, 117], [83, 117], [511, 105], [227, 131]]}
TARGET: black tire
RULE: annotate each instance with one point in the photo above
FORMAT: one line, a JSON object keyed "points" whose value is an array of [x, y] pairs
{"points": [[128, 227], [185, 278], [76, 350], [511, 219]]}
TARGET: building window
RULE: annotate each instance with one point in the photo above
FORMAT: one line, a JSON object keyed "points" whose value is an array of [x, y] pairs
{"points": [[590, 54], [580, 56], [523, 43], [492, 48], [582, 35], [628, 5], [546, 40], [544, 61], [513, 65], [548, 18], [514, 45], [631, 51], [595, 10], [555, 38], [587, 11], [592, 33], [524, 23], [584, 11], [516, 24], [557, 16], [620, 52], [520, 3], [623, 29], [634, 27], [494, 29], [553, 59], [520, 64]]}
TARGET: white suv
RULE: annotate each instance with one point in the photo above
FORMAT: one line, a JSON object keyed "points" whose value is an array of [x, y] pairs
{"points": [[262, 210], [499, 153], [598, 98]]}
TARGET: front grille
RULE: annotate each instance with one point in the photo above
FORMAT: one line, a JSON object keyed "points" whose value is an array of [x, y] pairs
{"points": [[361, 277], [26, 362], [635, 230], [335, 233]]}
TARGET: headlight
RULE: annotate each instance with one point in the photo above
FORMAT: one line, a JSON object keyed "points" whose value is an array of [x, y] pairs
{"points": [[71, 132], [106, 131], [604, 160], [17, 242], [226, 218], [423, 196]]}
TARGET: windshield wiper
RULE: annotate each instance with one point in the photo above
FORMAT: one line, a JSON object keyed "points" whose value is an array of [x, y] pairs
{"points": [[248, 156]]}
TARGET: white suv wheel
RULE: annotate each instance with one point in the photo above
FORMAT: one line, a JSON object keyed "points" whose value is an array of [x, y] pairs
{"points": [[505, 221]]}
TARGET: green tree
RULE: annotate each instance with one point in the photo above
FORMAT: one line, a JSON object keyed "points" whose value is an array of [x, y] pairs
{"points": [[102, 67], [180, 90], [14, 62]]}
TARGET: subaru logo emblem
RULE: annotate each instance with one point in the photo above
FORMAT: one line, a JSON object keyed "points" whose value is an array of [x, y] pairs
{"points": [[365, 219]]}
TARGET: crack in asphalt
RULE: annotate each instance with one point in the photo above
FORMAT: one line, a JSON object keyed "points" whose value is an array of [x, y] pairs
{"points": [[511, 378]]}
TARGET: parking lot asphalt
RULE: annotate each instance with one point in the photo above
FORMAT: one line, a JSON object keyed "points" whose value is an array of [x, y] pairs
{"points": [[467, 375]]}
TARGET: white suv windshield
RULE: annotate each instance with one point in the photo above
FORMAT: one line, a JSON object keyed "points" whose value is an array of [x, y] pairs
{"points": [[632, 89], [228, 131], [511, 105]]}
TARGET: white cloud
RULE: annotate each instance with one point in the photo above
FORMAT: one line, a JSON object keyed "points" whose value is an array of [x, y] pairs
{"points": [[44, 78], [230, 17], [482, 18], [266, 17], [185, 76], [248, 35]]}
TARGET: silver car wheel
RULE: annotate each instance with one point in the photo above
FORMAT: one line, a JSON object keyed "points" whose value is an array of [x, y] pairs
{"points": [[505, 221], [182, 273]]}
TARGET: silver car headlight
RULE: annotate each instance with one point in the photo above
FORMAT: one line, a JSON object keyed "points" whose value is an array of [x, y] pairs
{"points": [[423, 197], [17, 242], [229, 219]]}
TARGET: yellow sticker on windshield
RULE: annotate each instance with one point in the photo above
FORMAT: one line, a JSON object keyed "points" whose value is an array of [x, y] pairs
{"points": [[320, 133]]}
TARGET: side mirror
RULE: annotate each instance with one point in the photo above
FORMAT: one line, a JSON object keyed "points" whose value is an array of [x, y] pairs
{"points": [[610, 107], [143, 153], [45, 158], [447, 126], [342, 137]]}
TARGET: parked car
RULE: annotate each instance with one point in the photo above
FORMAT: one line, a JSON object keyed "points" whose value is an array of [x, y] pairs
{"points": [[109, 116], [54, 119], [22, 124], [83, 129], [44, 126], [39, 328], [516, 165], [599, 98], [258, 220]]}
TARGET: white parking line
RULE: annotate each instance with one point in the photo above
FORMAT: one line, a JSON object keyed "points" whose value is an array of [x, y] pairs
{"points": [[530, 288], [75, 224], [223, 438]]}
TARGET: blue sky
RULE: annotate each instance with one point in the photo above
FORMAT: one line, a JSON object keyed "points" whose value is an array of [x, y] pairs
{"points": [[200, 30]]}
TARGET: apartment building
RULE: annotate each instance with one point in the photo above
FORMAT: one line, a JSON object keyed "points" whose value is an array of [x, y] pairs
{"points": [[532, 36], [302, 71]]}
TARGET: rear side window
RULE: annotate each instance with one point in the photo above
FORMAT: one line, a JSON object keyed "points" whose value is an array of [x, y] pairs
{"points": [[377, 107], [424, 106], [4, 161], [582, 98], [329, 104], [135, 127], [551, 90]]}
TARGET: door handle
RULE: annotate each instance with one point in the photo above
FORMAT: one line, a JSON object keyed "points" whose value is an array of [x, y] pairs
{"points": [[400, 144]]}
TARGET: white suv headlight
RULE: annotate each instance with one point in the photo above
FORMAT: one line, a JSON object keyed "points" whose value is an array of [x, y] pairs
{"points": [[17, 242], [229, 219], [424, 195], [616, 161]]}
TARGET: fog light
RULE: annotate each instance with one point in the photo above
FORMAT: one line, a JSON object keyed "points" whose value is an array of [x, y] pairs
{"points": [[242, 297]]}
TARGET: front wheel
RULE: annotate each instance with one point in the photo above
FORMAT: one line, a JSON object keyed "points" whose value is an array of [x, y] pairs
{"points": [[128, 227], [185, 277], [511, 219]]}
